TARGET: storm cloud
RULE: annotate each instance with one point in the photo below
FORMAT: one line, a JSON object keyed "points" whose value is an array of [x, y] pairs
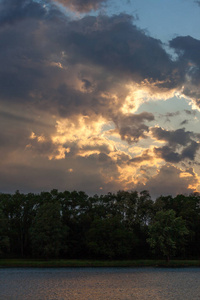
{"points": [[171, 181], [117, 44], [179, 136], [187, 49], [70, 87], [176, 140], [45, 55], [132, 128]]}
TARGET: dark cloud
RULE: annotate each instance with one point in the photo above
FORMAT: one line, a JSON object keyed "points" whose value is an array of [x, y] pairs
{"points": [[92, 145], [190, 112], [188, 49], [64, 69], [38, 67], [184, 122], [131, 128], [170, 180], [44, 147], [13, 136], [169, 115], [144, 157], [42, 52], [115, 43], [190, 151], [93, 172], [172, 114], [16, 131], [89, 173], [82, 5], [64, 66], [180, 144], [21, 55], [170, 155], [16, 10], [173, 137], [122, 158], [4, 115], [87, 84], [30, 177]]}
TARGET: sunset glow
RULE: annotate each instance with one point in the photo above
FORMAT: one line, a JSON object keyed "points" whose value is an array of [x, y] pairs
{"points": [[95, 97]]}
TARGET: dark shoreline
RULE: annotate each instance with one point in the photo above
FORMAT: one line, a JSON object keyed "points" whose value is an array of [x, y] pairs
{"points": [[61, 263]]}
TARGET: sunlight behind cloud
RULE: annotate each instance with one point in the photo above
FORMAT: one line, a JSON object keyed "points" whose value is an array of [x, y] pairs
{"points": [[84, 88]]}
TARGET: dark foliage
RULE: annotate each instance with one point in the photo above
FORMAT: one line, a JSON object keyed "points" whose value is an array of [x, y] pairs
{"points": [[113, 226]]}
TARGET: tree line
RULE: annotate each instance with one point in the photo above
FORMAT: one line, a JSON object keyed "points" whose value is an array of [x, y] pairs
{"points": [[122, 225]]}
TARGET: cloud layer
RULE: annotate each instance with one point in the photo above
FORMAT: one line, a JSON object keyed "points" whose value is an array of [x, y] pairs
{"points": [[69, 93]]}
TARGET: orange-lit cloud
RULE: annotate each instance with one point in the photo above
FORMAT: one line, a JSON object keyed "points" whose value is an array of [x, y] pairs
{"points": [[72, 91], [172, 180]]}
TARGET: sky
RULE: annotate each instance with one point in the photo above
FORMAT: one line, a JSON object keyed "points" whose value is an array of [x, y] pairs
{"points": [[100, 96]]}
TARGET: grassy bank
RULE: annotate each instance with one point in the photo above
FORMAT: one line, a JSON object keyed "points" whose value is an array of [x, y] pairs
{"points": [[95, 263]]}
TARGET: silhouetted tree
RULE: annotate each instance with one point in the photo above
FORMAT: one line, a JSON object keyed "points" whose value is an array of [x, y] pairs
{"points": [[166, 233], [46, 231], [108, 238]]}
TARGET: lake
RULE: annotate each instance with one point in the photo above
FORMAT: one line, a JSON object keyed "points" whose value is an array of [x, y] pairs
{"points": [[99, 283]]}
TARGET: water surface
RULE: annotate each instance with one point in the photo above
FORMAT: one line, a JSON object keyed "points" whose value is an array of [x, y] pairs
{"points": [[100, 283]]}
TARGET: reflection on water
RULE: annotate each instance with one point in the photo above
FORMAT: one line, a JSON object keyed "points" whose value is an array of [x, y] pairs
{"points": [[100, 283]]}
